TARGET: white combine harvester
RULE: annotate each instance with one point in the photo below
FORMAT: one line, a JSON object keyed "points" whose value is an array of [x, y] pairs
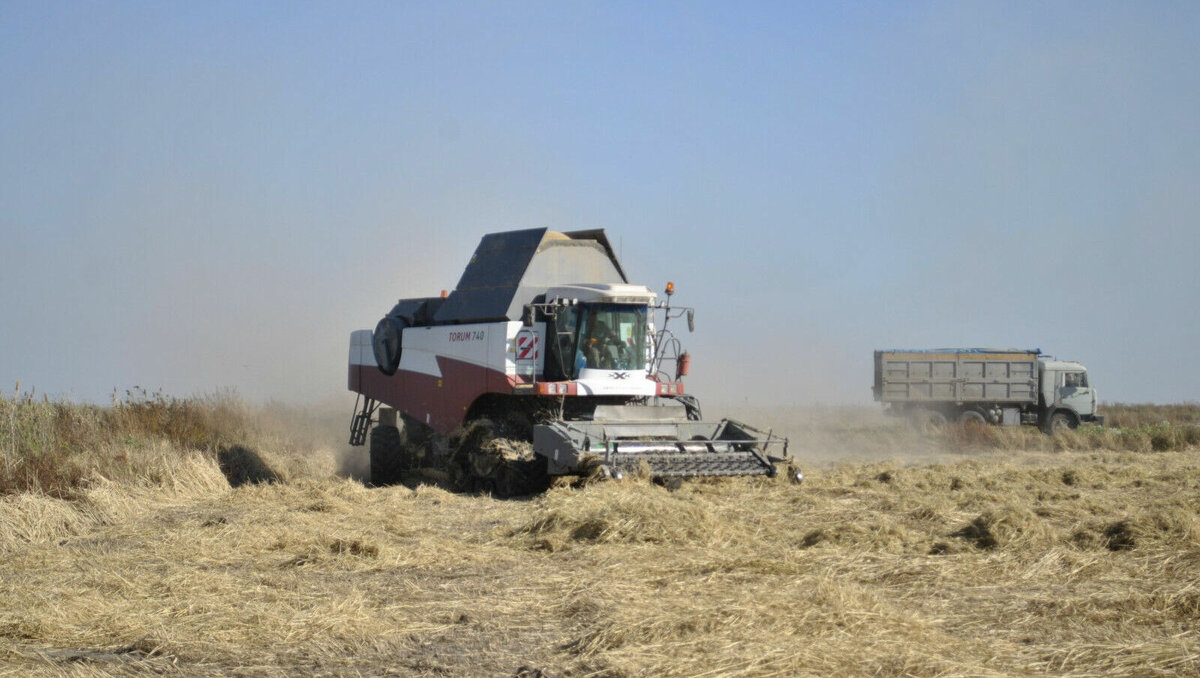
{"points": [[544, 361]]}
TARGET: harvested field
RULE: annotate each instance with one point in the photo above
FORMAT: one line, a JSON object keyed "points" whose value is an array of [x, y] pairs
{"points": [[975, 555]]}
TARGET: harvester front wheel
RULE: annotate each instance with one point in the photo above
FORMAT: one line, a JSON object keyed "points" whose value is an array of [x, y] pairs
{"points": [[521, 477], [386, 458], [485, 459]]}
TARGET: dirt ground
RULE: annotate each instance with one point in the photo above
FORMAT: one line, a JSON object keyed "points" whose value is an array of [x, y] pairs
{"points": [[929, 561]]}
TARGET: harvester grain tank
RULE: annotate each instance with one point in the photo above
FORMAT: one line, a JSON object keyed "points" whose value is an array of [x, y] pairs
{"points": [[1008, 387], [544, 360]]}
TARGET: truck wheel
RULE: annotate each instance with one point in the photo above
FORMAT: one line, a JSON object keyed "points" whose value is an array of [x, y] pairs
{"points": [[929, 421], [386, 455], [1061, 421], [972, 418]]}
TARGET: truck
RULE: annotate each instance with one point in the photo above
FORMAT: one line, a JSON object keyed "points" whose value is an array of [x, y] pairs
{"points": [[545, 360], [1006, 387]]}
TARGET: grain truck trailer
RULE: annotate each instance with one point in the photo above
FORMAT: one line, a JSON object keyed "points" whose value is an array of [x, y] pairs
{"points": [[1007, 387]]}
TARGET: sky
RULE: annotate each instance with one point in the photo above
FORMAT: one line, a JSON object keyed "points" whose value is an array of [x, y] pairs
{"points": [[201, 197]]}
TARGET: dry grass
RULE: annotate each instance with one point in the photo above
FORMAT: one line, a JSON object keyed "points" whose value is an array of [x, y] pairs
{"points": [[57, 448], [1057, 559], [1124, 415]]}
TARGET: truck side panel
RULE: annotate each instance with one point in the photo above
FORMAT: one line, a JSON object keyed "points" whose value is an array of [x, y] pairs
{"points": [[956, 376]]}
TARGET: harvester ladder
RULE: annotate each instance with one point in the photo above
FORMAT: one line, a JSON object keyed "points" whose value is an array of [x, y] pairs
{"points": [[361, 422]]}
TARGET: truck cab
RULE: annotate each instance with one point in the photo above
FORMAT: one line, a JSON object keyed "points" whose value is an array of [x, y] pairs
{"points": [[1067, 397]]}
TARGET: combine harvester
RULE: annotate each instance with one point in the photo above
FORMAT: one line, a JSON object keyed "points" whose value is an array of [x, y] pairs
{"points": [[544, 361]]}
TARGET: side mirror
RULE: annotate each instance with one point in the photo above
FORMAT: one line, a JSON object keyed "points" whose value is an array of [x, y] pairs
{"points": [[691, 320], [527, 317]]}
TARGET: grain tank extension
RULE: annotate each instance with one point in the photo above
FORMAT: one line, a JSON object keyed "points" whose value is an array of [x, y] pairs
{"points": [[1008, 387], [544, 360]]}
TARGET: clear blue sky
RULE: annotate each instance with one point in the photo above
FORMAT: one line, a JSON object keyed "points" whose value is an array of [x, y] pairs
{"points": [[197, 196]]}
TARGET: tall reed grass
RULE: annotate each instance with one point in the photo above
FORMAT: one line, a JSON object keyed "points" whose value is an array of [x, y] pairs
{"points": [[1125, 415], [53, 446]]}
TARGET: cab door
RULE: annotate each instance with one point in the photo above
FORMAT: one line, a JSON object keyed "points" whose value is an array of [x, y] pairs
{"points": [[1075, 393]]}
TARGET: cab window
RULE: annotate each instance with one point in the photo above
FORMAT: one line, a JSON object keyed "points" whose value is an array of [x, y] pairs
{"points": [[613, 337], [1075, 379]]}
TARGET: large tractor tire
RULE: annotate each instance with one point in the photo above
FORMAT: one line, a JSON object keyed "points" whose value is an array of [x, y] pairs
{"points": [[522, 473], [387, 458], [483, 459]]}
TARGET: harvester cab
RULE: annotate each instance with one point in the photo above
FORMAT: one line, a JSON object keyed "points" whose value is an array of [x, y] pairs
{"points": [[599, 336], [547, 345]]}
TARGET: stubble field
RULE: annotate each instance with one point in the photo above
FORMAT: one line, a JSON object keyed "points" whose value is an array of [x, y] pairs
{"points": [[205, 536]]}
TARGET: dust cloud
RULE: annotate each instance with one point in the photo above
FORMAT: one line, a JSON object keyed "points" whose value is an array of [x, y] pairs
{"points": [[822, 436]]}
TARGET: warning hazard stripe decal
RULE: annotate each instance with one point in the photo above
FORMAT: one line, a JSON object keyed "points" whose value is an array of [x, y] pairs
{"points": [[527, 347]]}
